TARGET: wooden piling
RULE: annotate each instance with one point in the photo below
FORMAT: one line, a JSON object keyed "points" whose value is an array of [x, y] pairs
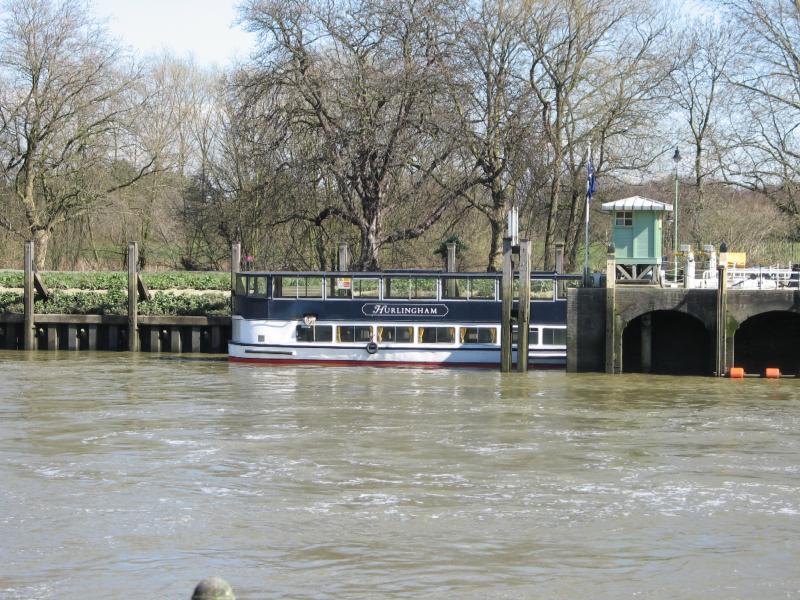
{"points": [[73, 343], [343, 257], [507, 286], [195, 342], [236, 264], [133, 297], [52, 336], [611, 333], [721, 333], [175, 340], [524, 312], [30, 324], [560, 269], [155, 338], [91, 337]]}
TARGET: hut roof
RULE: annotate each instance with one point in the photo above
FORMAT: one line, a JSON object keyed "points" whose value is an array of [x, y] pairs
{"points": [[636, 203]]}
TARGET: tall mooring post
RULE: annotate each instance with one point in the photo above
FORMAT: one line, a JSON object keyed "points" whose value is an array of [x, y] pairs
{"points": [[506, 299], [133, 296], [721, 362], [560, 268], [29, 337], [612, 361], [523, 313]]}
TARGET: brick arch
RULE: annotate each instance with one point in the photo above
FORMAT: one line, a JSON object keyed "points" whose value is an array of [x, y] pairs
{"points": [[700, 304], [679, 343], [745, 304]]}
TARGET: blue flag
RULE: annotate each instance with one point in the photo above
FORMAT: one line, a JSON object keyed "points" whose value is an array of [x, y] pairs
{"points": [[591, 183]]}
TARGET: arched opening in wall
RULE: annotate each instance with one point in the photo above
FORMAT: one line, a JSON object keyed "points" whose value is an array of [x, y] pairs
{"points": [[673, 343], [768, 340]]}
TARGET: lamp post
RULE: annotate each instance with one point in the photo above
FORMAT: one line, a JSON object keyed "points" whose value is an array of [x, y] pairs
{"points": [[676, 158]]}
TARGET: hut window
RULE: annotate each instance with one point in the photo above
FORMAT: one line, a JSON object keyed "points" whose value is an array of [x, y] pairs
{"points": [[624, 218]]}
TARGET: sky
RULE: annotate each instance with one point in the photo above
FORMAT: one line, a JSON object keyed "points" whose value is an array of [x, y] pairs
{"points": [[204, 29]]}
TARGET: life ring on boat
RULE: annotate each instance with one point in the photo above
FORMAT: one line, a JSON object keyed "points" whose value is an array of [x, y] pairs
{"points": [[372, 348]]}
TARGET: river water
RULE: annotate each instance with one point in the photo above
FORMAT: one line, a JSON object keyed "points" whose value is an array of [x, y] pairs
{"points": [[135, 476]]}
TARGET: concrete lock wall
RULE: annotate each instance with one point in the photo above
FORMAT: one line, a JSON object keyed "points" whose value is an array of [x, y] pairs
{"points": [[590, 338]]}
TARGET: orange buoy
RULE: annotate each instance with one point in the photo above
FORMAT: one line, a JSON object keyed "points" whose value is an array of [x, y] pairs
{"points": [[736, 373], [772, 373]]}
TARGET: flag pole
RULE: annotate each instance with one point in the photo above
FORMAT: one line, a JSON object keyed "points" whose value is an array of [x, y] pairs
{"points": [[586, 219]]}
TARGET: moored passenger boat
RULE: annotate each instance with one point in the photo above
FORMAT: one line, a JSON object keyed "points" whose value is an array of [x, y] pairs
{"points": [[398, 318]]}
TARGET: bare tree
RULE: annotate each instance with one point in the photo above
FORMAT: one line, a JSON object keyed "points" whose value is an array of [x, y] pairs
{"points": [[768, 157], [699, 84], [64, 110], [490, 101], [362, 76]]}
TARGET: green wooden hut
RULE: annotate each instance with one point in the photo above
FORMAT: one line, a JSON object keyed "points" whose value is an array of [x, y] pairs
{"points": [[637, 235]]}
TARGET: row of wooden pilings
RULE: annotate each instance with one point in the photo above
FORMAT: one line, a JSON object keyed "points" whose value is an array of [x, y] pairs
{"points": [[111, 332]]}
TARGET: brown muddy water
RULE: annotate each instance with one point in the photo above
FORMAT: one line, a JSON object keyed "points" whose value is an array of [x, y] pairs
{"points": [[135, 476]]}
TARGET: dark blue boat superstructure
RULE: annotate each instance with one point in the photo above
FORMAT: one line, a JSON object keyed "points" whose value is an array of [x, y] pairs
{"points": [[266, 306]]}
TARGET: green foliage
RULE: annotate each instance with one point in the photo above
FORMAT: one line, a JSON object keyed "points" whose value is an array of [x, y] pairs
{"points": [[184, 304], [11, 302], [461, 246], [12, 279], [107, 280], [188, 280], [82, 303]]}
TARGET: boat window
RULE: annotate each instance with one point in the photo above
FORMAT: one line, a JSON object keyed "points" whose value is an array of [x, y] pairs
{"points": [[395, 334], [437, 335], [457, 289], [286, 286], [410, 288], [353, 333], [533, 336], [551, 335], [366, 288], [542, 289], [340, 287], [241, 285], [478, 335], [314, 333], [563, 287], [468, 289], [482, 289]]}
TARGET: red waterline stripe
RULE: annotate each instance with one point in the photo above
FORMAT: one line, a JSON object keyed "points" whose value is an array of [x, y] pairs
{"points": [[377, 363]]}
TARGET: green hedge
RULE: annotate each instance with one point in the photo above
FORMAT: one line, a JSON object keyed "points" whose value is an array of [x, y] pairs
{"points": [[115, 302], [107, 280]]}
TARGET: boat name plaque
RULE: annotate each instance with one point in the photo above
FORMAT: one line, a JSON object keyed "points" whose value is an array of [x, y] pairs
{"points": [[380, 309]]}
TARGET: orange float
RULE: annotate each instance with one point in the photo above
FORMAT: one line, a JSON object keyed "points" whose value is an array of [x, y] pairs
{"points": [[736, 373], [772, 373]]}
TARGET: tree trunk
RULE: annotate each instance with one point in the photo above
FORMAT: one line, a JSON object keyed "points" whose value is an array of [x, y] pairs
{"points": [[496, 222], [41, 238]]}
